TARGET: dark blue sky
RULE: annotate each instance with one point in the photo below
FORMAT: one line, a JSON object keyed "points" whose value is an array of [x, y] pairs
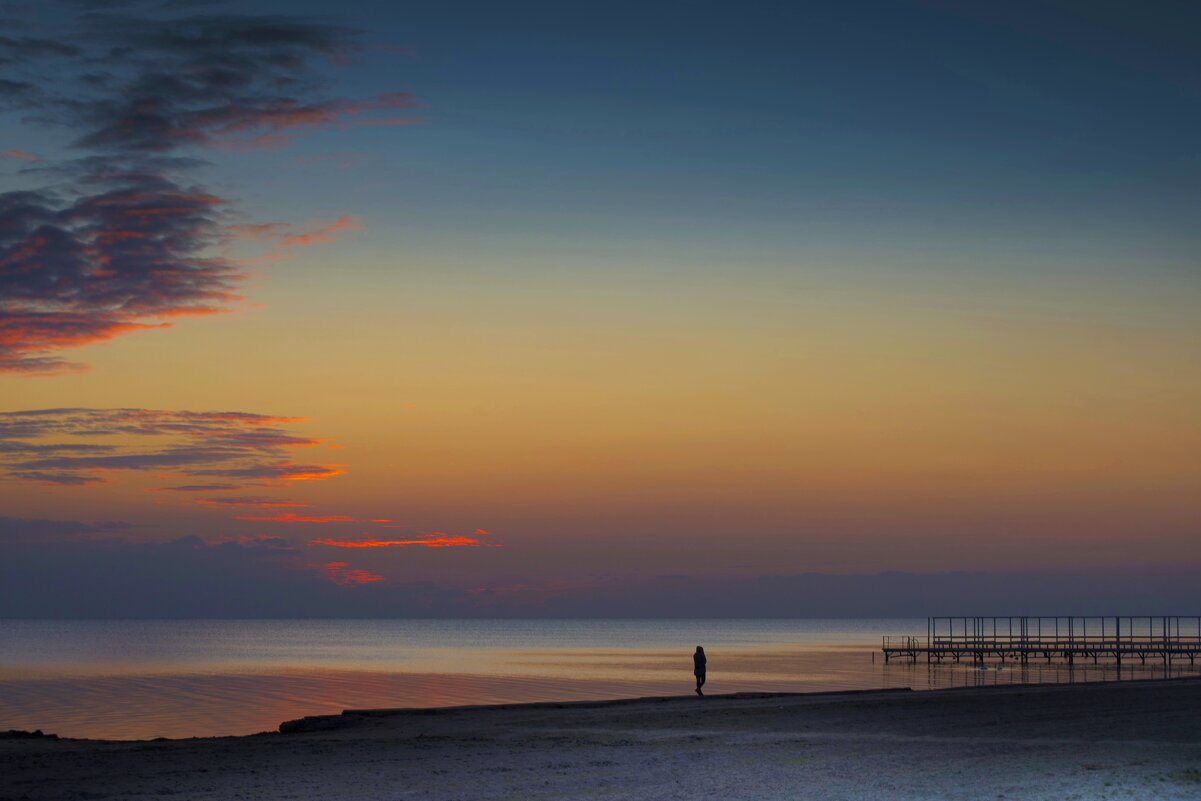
{"points": [[1057, 119]]}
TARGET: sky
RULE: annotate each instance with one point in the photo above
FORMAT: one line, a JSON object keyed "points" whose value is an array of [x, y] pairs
{"points": [[465, 308]]}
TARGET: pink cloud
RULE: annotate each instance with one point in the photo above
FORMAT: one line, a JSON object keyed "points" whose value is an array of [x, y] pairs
{"points": [[323, 233], [286, 237], [342, 573]]}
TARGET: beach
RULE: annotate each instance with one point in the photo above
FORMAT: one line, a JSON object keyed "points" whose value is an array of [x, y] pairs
{"points": [[1121, 740]]}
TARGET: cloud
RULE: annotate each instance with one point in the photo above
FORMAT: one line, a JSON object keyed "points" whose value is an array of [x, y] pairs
{"points": [[200, 79], [9, 446], [343, 161], [242, 500], [75, 446], [289, 517], [285, 237], [18, 155], [340, 573], [199, 488], [99, 573], [436, 540], [18, 49], [17, 529], [282, 471], [173, 457], [129, 247], [80, 270], [323, 233], [61, 478]]}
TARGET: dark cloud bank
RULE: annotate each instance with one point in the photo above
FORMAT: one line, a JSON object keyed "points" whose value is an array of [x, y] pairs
{"points": [[117, 239], [72, 570]]}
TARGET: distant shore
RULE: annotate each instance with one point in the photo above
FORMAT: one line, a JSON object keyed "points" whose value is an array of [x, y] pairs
{"points": [[1130, 739]]}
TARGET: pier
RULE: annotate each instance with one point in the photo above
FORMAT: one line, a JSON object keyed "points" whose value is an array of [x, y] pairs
{"points": [[1066, 639]]}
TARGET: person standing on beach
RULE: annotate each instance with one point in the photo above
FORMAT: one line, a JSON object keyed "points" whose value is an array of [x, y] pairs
{"points": [[698, 668]]}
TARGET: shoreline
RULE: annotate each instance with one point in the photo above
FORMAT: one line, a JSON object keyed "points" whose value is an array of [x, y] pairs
{"points": [[311, 723], [348, 717], [1134, 739]]}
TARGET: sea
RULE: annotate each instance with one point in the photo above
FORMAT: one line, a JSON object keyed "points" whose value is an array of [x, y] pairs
{"points": [[142, 679]]}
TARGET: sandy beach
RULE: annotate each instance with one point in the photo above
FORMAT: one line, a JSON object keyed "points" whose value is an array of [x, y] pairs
{"points": [[1133, 740]]}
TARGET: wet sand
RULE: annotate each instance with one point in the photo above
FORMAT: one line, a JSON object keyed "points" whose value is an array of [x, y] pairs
{"points": [[1135, 740]]}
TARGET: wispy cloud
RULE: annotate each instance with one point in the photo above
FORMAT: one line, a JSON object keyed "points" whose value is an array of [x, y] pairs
{"points": [[198, 488], [18, 155], [323, 233], [62, 479], [289, 517], [129, 248], [21, 530], [109, 569], [257, 501], [280, 471], [79, 446], [286, 238], [438, 539], [342, 573]]}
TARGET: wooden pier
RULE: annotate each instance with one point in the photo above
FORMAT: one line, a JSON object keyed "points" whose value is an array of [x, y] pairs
{"points": [[1066, 639]]}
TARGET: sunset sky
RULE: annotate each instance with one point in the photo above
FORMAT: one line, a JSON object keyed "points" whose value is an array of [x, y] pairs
{"points": [[505, 301]]}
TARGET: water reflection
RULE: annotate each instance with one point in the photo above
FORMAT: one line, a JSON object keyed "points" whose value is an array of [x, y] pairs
{"points": [[935, 676]]}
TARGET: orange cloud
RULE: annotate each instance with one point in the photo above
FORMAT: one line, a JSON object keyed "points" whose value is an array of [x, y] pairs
{"points": [[25, 338], [290, 517], [312, 472], [19, 155], [343, 574], [436, 540]]}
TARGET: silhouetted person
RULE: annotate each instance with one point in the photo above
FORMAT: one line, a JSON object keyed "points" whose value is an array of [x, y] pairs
{"points": [[698, 668]]}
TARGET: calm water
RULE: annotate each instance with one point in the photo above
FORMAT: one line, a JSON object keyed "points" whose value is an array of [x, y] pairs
{"points": [[141, 679]]}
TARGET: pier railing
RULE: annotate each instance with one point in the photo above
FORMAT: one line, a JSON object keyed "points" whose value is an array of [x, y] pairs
{"points": [[1065, 637]]}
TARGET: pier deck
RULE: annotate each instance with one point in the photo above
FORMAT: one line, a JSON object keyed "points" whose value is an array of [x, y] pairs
{"points": [[1067, 639]]}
